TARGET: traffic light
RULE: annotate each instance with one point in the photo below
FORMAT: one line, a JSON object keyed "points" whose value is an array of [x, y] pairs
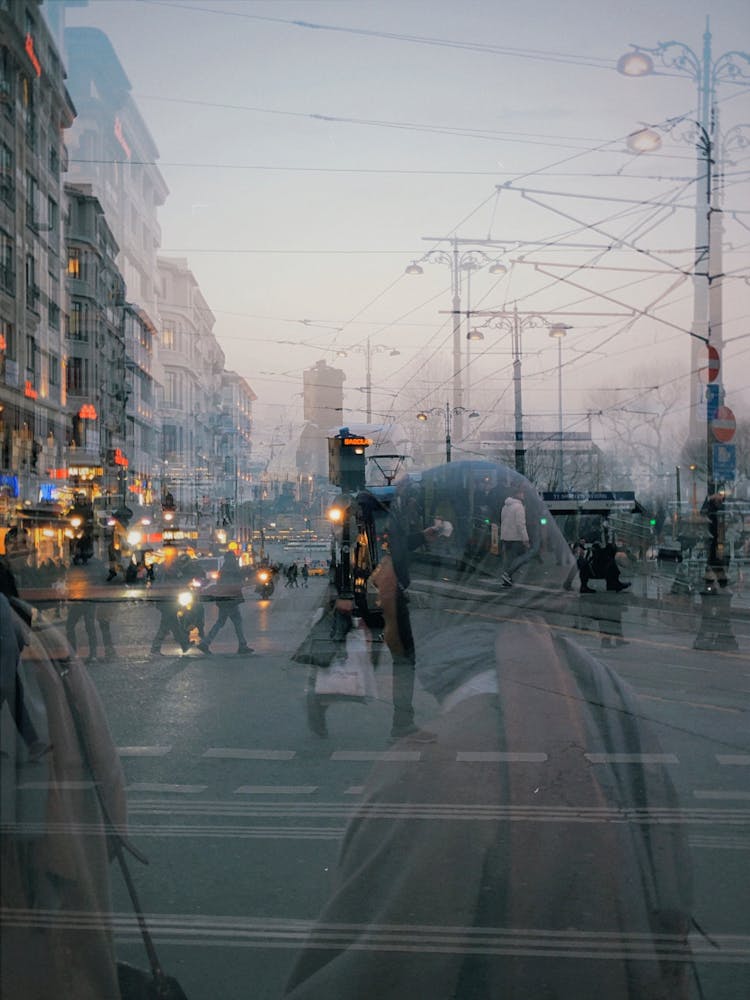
{"points": [[346, 460]]}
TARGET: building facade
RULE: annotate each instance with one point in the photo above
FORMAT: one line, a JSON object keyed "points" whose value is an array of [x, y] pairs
{"points": [[35, 109]]}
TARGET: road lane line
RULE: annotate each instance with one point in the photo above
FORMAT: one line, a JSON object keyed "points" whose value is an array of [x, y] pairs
{"points": [[632, 758], [143, 751], [740, 759], [491, 756], [237, 753], [276, 790], [388, 755], [149, 786], [354, 790], [721, 795]]}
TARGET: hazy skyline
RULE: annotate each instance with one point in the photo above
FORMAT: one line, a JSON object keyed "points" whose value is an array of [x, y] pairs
{"points": [[306, 164]]}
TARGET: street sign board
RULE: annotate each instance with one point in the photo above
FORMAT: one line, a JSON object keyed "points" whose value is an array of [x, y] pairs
{"points": [[712, 402], [725, 462], [723, 425], [710, 371]]}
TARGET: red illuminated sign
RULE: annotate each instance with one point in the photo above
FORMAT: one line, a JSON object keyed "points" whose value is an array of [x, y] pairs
{"points": [[87, 412], [29, 47], [362, 442], [119, 458], [29, 390]]}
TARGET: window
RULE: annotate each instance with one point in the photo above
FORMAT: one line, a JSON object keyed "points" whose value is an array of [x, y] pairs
{"points": [[6, 80], [53, 305], [171, 389], [54, 369], [29, 111], [7, 181], [32, 359], [7, 271], [76, 376], [7, 339], [53, 216], [168, 337], [78, 322], [74, 263], [32, 288], [32, 194]]}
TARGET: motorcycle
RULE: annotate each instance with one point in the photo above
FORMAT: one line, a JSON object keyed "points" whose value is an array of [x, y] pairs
{"points": [[264, 583], [190, 611]]}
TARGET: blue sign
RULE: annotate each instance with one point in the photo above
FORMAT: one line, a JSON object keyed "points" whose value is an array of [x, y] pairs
{"points": [[8, 485], [712, 401], [725, 462]]}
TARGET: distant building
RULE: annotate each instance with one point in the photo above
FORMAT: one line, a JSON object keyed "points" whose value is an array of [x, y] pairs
{"points": [[95, 348], [323, 395], [112, 149]]}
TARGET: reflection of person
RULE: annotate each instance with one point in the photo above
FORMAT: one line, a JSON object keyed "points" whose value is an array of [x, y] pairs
{"points": [[82, 577], [164, 592], [514, 855], [228, 601], [514, 535], [54, 876]]}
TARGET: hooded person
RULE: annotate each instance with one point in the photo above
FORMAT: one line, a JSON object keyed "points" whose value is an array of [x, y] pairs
{"points": [[516, 854], [57, 938]]}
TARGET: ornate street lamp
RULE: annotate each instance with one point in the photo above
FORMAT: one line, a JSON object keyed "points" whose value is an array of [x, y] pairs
{"points": [[460, 262], [448, 412]]}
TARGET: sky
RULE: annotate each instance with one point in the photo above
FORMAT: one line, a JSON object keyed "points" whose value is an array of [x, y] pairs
{"points": [[314, 149]]}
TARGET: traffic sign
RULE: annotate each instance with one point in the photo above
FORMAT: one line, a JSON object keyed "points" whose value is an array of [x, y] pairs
{"points": [[723, 424], [724, 462], [710, 372], [712, 401]]}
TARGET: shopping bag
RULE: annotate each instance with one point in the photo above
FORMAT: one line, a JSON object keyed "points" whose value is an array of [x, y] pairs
{"points": [[351, 674]]}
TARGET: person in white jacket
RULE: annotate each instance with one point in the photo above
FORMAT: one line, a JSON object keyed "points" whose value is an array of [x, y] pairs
{"points": [[514, 535]]}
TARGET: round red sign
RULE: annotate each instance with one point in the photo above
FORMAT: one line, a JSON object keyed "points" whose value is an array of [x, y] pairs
{"points": [[723, 425]]}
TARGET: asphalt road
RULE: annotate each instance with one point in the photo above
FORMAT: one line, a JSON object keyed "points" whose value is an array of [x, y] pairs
{"points": [[240, 809]]}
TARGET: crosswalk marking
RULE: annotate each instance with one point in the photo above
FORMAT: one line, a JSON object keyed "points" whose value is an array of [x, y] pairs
{"points": [[388, 755], [631, 758], [237, 753], [354, 790], [476, 756], [711, 794], [740, 759], [276, 790], [153, 786]]}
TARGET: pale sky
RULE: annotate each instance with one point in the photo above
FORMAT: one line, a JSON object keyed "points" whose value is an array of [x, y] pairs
{"points": [[306, 164]]}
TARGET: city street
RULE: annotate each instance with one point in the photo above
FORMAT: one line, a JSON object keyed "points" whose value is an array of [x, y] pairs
{"points": [[240, 809]]}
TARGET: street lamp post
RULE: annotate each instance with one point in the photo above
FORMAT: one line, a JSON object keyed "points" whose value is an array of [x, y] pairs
{"points": [[449, 412], [558, 331], [458, 261], [515, 323], [368, 350], [707, 73]]}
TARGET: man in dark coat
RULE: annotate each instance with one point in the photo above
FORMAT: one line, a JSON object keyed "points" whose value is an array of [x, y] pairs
{"points": [[229, 600], [527, 852]]}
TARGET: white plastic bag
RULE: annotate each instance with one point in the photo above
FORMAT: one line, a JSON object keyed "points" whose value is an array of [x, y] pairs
{"points": [[350, 675]]}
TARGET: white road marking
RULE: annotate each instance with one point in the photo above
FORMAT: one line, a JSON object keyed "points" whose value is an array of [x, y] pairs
{"points": [[389, 755], [632, 758], [276, 790], [235, 753], [143, 751], [493, 756], [62, 786], [741, 759], [150, 786], [722, 795]]}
